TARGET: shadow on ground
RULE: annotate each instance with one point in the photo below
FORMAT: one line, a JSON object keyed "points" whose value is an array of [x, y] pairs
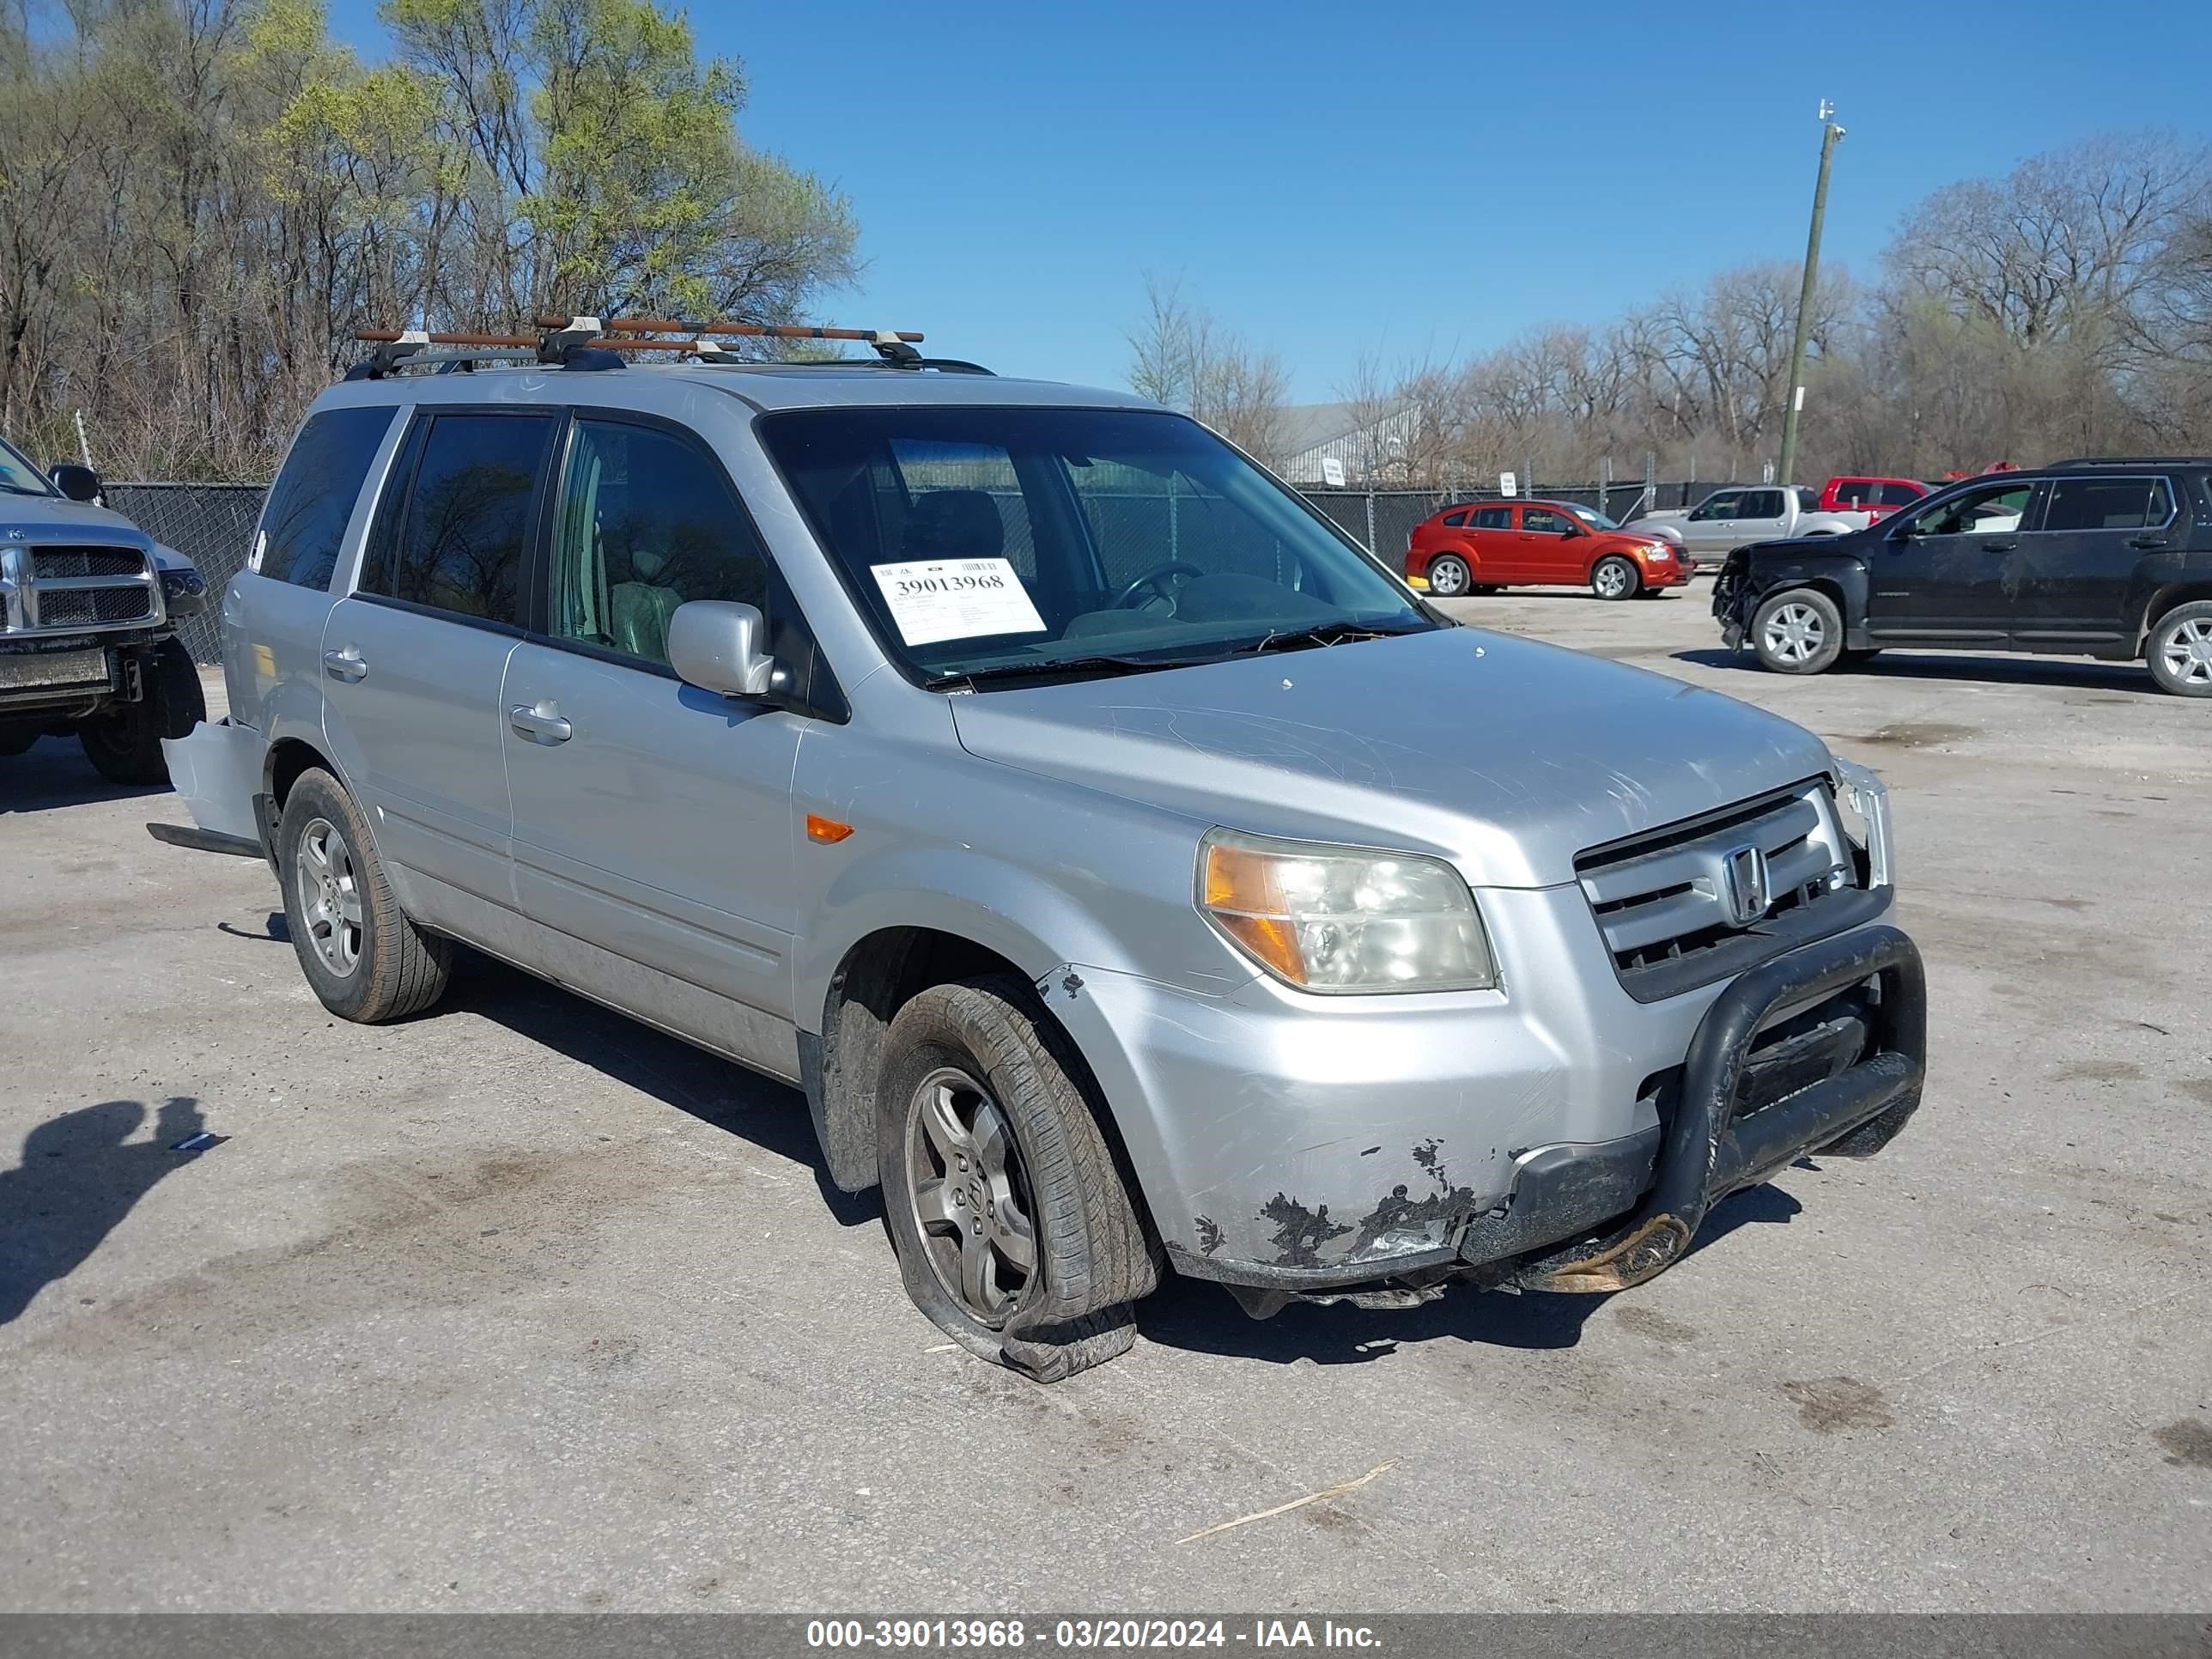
{"points": [[53, 772], [81, 1174], [772, 1116], [2131, 679], [1189, 1313]]}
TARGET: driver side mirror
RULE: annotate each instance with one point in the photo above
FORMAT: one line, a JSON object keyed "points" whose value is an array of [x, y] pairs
{"points": [[721, 647], [79, 483]]}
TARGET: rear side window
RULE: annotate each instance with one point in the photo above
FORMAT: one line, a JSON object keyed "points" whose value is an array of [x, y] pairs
{"points": [[1493, 517], [309, 509], [1898, 494], [456, 535], [1456, 520], [2107, 504]]}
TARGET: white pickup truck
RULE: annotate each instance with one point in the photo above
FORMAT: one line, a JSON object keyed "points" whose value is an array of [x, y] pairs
{"points": [[1741, 513]]}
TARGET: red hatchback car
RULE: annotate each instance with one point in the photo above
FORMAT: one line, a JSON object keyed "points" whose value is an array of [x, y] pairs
{"points": [[1480, 549]]}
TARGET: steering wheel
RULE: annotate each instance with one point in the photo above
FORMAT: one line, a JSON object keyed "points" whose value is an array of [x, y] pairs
{"points": [[1154, 579]]}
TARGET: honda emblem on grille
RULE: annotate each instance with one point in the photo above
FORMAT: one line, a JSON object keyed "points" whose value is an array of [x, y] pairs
{"points": [[1743, 886]]}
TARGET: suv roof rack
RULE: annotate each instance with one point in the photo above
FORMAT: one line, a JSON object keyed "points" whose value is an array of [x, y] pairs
{"points": [[2131, 461], [591, 343]]}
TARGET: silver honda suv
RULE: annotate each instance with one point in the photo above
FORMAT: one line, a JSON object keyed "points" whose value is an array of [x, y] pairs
{"points": [[1130, 870]]}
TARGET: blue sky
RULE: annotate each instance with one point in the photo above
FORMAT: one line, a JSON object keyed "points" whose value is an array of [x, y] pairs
{"points": [[1403, 179]]}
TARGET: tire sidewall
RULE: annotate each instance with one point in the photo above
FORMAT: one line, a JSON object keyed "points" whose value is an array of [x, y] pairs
{"points": [[930, 1032], [1831, 623], [316, 795], [2154, 649]]}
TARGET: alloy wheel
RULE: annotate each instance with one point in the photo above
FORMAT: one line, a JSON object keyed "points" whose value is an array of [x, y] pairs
{"points": [[970, 1198], [2187, 652], [330, 896], [1794, 634], [1447, 578], [1612, 580]]}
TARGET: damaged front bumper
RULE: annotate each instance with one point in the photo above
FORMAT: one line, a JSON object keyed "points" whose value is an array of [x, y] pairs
{"points": [[1368, 1154], [1733, 599]]}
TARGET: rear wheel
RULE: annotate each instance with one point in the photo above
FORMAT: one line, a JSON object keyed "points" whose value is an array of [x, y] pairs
{"points": [[1014, 1230], [1449, 576], [1799, 631], [2180, 650], [362, 955], [1614, 578]]}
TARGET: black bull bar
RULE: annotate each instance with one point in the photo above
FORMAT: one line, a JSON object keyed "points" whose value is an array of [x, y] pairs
{"points": [[1715, 1146]]}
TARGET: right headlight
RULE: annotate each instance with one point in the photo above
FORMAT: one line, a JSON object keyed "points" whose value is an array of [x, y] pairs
{"points": [[1344, 920]]}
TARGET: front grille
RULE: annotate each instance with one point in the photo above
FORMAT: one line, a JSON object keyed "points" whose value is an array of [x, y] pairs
{"points": [[50, 589], [47, 563], [95, 607], [1676, 898]]}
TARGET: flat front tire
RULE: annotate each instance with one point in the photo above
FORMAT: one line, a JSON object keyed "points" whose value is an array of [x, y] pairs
{"points": [[365, 959], [2180, 650], [1798, 631], [1015, 1230]]}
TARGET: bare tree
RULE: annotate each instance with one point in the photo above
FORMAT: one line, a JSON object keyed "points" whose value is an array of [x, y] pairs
{"points": [[1181, 356]]}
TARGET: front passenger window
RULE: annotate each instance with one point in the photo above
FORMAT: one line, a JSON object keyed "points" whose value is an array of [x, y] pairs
{"points": [[647, 522]]}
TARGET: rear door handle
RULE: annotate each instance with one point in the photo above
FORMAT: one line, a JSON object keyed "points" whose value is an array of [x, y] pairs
{"points": [[540, 723], [346, 664]]}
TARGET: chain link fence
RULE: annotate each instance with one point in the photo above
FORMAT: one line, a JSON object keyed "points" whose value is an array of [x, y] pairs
{"points": [[212, 524]]}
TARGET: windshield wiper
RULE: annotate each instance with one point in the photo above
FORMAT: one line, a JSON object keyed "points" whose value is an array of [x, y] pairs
{"points": [[1335, 632], [1047, 670]]}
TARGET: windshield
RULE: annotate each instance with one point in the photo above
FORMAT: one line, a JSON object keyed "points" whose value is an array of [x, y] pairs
{"points": [[1593, 518], [1002, 541], [17, 476]]}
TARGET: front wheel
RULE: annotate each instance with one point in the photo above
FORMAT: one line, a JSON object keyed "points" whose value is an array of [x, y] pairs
{"points": [[1015, 1231], [1449, 576], [1615, 578], [2180, 650], [1799, 631]]}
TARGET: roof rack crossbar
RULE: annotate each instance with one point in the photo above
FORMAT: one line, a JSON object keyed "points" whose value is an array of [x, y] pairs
{"points": [[754, 330], [592, 342]]}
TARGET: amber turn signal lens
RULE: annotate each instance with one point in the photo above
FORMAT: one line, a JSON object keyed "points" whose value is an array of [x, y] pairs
{"points": [[826, 830], [1247, 901]]}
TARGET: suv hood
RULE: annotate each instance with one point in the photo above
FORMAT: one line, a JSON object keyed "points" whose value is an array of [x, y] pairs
{"points": [[1506, 755]]}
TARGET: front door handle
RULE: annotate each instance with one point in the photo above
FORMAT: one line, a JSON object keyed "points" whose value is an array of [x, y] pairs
{"points": [[2147, 544], [346, 664], [541, 723], [1999, 544]]}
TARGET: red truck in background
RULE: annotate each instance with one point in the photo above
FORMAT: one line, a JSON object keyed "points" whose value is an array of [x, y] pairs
{"points": [[1876, 498]]}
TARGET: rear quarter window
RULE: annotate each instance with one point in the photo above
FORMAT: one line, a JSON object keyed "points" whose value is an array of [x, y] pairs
{"points": [[304, 521]]}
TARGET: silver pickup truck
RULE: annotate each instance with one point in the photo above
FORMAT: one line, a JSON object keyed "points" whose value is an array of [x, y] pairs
{"points": [[89, 608], [1030, 779], [1740, 514]]}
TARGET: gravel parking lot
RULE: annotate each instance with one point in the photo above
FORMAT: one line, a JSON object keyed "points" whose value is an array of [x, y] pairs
{"points": [[518, 1306]]}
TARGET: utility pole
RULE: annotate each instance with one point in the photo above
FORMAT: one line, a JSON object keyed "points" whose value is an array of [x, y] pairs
{"points": [[1830, 134]]}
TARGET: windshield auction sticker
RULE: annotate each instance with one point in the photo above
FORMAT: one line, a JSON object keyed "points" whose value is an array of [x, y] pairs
{"points": [[933, 599]]}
